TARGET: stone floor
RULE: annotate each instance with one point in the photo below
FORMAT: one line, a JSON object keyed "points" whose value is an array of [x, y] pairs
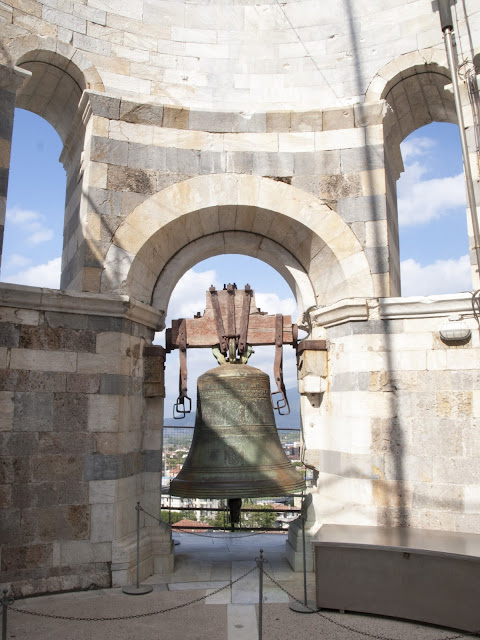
{"points": [[203, 565]]}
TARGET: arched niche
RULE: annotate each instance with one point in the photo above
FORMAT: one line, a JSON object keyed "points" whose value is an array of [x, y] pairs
{"points": [[60, 74], [208, 215], [416, 89]]}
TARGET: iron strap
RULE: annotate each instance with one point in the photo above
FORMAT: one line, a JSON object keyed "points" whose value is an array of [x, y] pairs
{"points": [[247, 297], [218, 320], [282, 403]]}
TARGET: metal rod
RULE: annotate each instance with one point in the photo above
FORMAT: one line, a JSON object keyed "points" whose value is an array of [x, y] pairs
{"points": [[138, 543], [260, 594], [304, 563], [448, 37]]}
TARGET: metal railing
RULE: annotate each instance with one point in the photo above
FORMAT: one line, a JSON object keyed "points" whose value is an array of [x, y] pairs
{"points": [[177, 440]]}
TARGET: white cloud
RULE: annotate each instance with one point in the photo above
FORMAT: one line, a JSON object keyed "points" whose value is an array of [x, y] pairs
{"points": [[442, 276], [17, 261], [272, 303], [32, 223], [421, 201], [41, 275], [415, 147], [189, 295], [42, 235]]}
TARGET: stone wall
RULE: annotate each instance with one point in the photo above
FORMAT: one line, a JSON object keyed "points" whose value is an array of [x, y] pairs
{"points": [[80, 431], [195, 129], [395, 440]]}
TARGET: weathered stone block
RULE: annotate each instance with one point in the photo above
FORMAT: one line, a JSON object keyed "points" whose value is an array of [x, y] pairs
{"points": [[128, 179], [142, 156], [6, 410], [338, 119], [71, 340], [9, 334], [114, 384], [70, 412], [367, 208], [113, 152], [82, 383], [33, 411], [104, 106], [141, 113], [39, 381], [56, 468], [175, 117], [57, 522], [40, 338]]}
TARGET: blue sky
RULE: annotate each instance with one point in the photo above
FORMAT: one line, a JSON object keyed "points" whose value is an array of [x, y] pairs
{"points": [[433, 240]]}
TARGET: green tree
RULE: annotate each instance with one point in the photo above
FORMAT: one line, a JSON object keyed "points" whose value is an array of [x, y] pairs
{"points": [[175, 516]]}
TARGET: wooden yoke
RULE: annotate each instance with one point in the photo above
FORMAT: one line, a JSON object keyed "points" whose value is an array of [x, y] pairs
{"points": [[231, 323], [202, 331]]}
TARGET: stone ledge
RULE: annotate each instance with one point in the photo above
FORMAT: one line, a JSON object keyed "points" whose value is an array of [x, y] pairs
{"points": [[356, 309], [119, 306], [155, 112], [425, 307]]}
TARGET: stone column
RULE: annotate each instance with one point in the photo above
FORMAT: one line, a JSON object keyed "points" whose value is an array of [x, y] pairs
{"points": [[11, 79]]}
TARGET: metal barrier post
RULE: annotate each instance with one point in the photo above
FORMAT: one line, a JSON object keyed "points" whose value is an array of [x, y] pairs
{"points": [[5, 602], [260, 562], [138, 589], [308, 606]]}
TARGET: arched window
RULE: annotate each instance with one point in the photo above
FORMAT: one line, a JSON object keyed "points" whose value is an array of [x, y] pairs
{"points": [[35, 204], [434, 254]]}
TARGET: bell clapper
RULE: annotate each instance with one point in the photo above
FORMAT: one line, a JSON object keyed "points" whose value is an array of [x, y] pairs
{"points": [[235, 507]]}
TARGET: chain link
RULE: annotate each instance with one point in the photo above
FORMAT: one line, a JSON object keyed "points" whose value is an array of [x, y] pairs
{"points": [[201, 535], [136, 615], [349, 628]]}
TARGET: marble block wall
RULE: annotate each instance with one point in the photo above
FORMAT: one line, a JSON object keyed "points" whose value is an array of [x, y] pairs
{"points": [[81, 439], [194, 129]]}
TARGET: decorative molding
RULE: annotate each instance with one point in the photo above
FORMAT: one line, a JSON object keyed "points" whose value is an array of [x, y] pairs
{"points": [[349, 310]]}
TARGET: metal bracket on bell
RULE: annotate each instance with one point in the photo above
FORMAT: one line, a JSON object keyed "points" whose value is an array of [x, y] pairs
{"points": [[282, 402], [183, 404]]}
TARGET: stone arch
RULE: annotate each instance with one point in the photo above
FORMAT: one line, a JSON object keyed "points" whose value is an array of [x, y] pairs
{"points": [[60, 74], [262, 213], [246, 243]]}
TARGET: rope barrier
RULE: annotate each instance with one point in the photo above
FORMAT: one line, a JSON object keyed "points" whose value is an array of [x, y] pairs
{"points": [[349, 628], [136, 615], [8, 602]]}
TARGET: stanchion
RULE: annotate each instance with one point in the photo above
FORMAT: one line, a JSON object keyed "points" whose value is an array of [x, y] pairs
{"points": [[260, 562], [6, 600], [308, 606], [138, 589]]}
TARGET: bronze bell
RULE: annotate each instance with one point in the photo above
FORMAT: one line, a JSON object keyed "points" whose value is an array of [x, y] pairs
{"points": [[235, 451]]}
